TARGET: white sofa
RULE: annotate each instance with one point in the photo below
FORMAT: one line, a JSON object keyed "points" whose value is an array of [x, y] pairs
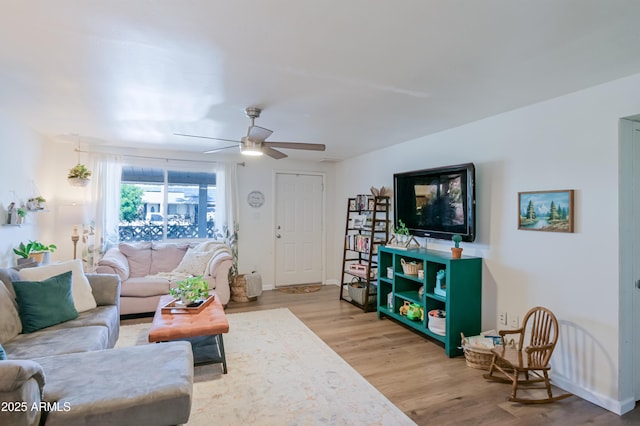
{"points": [[149, 269]]}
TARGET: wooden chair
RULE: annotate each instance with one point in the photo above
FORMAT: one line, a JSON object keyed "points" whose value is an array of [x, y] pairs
{"points": [[540, 326]]}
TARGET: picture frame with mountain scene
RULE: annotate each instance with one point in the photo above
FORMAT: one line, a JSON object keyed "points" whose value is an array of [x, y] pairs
{"points": [[549, 211]]}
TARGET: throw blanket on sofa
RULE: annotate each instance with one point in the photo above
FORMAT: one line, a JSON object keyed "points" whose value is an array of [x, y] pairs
{"points": [[212, 250]]}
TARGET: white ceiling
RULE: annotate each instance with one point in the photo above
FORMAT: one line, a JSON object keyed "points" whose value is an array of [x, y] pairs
{"points": [[355, 75]]}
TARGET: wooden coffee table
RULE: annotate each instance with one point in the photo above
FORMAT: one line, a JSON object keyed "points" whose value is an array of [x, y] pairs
{"points": [[203, 329]]}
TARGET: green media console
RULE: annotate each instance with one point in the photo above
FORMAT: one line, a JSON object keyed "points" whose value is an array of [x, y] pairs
{"points": [[461, 299]]}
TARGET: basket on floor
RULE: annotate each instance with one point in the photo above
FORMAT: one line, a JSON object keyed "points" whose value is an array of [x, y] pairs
{"points": [[479, 358], [357, 291]]}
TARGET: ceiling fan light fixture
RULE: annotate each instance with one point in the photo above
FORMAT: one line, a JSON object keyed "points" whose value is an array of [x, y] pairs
{"points": [[249, 147]]}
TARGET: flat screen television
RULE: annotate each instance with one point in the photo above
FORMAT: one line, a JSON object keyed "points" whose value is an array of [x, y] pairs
{"points": [[437, 203]]}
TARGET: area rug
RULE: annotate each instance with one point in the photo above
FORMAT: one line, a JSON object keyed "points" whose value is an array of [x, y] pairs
{"points": [[279, 372], [300, 289]]}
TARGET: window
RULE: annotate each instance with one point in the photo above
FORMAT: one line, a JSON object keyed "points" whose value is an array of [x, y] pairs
{"points": [[160, 204]]}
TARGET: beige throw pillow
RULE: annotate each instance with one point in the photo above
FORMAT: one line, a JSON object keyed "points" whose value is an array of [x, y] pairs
{"points": [[81, 292], [194, 262]]}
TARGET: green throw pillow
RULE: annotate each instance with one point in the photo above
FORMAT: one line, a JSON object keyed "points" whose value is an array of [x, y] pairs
{"points": [[45, 303]]}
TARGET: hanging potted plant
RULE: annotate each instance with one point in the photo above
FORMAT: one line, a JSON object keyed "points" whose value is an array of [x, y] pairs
{"points": [[79, 175]]}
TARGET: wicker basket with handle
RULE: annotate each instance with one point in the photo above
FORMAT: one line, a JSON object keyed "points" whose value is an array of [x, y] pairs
{"points": [[410, 268], [479, 358]]}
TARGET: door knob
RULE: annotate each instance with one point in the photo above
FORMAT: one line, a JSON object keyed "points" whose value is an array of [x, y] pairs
{"points": [[278, 236]]}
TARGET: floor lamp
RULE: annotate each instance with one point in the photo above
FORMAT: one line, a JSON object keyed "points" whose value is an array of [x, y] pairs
{"points": [[73, 214], [75, 237]]}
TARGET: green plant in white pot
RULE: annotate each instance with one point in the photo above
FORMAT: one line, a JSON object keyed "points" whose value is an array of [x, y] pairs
{"points": [[402, 233], [79, 175], [191, 290]]}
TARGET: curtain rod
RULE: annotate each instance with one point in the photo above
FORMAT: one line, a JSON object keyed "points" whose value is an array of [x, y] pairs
{"points": [[146, 157]]}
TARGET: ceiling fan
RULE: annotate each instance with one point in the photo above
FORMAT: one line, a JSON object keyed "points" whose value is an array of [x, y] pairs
{"points": [[254, 142]]}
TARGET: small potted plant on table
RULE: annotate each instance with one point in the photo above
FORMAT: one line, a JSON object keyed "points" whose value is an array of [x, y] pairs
{"points": [[191, 291]]}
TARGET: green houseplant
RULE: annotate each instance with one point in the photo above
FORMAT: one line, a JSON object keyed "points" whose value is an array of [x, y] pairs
{"points": [[22, 214], [401, 232], [34, 250], [190, 290], [456, 250], [79, 175]]}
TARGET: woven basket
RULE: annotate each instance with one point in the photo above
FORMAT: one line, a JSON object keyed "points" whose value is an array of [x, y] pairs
{"points": [[410, 268], [357, 293], [479, 358]]}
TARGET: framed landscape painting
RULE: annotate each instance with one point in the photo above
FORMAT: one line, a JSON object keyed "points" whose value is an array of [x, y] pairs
{"points": [[550, 211]]}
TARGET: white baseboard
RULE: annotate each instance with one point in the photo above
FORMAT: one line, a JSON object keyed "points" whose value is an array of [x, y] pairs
{"points": [[331, 282], [613, 405]]}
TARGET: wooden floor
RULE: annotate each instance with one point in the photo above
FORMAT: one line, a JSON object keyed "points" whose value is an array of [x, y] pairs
{"points": [[414, 373]]}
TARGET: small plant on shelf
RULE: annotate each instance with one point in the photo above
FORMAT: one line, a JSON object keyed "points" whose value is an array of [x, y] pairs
{"points": [[401, 233], [456, 250], [22, 213], [191, 290]]}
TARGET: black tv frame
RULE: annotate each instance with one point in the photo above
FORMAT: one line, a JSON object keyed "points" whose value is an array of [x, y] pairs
{"points": [[468, 169]]}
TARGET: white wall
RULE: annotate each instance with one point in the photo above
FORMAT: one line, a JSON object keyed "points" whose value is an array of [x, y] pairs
{"points": [[256, 242], [257, 232], [569, 142], [21, 178]]}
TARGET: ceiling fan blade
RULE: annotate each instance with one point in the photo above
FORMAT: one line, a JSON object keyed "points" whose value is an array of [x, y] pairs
{"points": [[258, 134], [273, 153], [297, 145], [206, 137], [211, 151]]}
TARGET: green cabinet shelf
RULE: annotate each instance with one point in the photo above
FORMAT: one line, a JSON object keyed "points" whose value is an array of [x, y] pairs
{"points": [[462, 300]]}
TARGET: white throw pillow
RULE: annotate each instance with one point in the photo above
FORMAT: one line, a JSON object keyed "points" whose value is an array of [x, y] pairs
{"points": [[194, 262], [83, 299]]}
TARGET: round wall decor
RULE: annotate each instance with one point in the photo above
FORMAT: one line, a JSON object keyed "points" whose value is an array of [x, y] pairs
{"points": [[255, 199]]}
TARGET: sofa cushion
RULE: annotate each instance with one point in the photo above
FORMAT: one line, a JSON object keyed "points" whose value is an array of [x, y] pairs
{"points": [[166, 256], [47, 342], [138, 385], [118, 261], [144, 287], [83, 299], [106, 316], [10, 324], [139, 258], [45, 303], [194, 262]]}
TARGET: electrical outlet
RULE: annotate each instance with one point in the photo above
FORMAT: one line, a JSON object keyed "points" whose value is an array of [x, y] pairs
{"points": [[514, 321], [502, 318]]}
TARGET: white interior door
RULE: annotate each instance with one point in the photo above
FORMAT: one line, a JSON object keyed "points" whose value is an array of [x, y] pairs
{"points": [[298, 233]]}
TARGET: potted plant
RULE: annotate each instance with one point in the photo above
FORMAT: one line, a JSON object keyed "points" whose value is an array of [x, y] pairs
{"points": [[36, 203], [34, 250], [456, 251], [79, 175], [401, 233], [191, 291], [22, 214]]}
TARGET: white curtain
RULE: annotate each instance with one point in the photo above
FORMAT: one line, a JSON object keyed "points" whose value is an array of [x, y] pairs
{"points": [[227, 207], [226, 195], [103, 208]]}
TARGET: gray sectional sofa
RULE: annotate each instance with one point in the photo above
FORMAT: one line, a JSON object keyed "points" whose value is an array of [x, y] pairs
{"points": [[68, 374]]}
